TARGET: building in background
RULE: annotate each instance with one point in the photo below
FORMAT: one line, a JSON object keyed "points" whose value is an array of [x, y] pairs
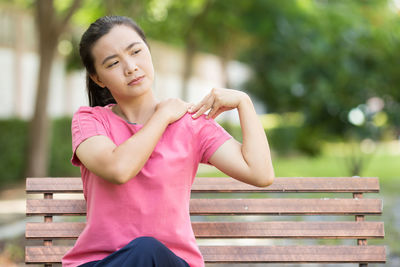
{"points": [[20, 64]]}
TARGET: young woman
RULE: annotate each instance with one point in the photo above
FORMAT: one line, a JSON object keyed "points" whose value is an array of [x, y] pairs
{"points": [[138, 157]]}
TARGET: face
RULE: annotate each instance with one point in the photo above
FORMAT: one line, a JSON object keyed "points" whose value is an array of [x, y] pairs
{"points": [[123, 63]]}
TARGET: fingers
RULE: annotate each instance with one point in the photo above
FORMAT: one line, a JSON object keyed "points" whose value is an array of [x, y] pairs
{"points": [[196, 107], [214, 112], [188, 105], [202, 107]]}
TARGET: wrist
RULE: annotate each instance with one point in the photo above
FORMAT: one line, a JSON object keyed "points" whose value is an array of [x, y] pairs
{"points": [[244, 100], [161, 117]]}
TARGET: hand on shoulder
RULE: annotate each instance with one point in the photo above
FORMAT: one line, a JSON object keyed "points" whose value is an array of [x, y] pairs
{"points": [[172, 109]]}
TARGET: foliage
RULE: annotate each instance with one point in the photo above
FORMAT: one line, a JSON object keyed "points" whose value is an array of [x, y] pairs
{"points": [[324, 59], [61, 149], [13, 146], [321, 58]]}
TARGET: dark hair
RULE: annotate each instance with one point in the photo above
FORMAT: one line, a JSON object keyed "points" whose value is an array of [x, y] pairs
{"points": [[99, 96]]}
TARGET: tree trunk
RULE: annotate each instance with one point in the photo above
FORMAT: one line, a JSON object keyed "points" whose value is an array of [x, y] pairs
{"points": [[18, 52], [224, 70], [191, 48], [49, 27], [190, 51], [39, 126]]}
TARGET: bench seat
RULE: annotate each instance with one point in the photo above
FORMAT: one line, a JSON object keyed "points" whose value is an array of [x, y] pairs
{"points": [[246, 220]]}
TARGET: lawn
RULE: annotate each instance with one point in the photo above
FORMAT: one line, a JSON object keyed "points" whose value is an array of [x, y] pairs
{"points": [[382, 162]]}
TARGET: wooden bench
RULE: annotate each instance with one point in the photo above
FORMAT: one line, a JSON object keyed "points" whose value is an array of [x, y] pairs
{"points": [[237, 223]]}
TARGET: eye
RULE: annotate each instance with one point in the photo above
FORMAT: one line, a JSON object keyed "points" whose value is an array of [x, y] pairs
{"points": [[112, 64], [136, 51]]}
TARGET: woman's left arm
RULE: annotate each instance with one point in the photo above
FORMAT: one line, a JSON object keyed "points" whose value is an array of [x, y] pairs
{"points": [[249, 162]]}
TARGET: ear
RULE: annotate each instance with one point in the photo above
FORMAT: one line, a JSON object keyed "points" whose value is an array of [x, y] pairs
{"points": [[96, 79]]}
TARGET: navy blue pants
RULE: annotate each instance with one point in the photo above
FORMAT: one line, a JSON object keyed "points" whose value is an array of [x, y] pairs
{"points": [[142, 251]]}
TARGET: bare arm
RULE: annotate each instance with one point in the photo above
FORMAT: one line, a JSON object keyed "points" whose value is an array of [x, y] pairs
{"points": [[118, 164], [249, 162]]}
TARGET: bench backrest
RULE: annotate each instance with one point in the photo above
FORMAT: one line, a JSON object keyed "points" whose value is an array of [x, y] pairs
{"points": [[256, 236]]}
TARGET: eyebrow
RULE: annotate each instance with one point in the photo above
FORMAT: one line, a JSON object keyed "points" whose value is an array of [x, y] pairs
{"points": [[127, 48]]}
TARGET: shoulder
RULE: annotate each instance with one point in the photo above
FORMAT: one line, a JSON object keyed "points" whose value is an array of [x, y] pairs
{"points": [[87, 122], [85, 112], [86, 118], [203, 122], [188, 125], [189, 121]]}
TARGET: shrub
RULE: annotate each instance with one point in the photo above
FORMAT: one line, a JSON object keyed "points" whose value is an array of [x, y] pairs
{"points": [[14, 144], [61, 149], [13, 148]]}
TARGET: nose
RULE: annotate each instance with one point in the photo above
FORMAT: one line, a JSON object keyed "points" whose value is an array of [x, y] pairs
{"points": [[130, 68]]}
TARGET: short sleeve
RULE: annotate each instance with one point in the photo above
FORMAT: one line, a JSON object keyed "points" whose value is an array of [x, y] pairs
{"points": [[86, 123], [209, 137]]}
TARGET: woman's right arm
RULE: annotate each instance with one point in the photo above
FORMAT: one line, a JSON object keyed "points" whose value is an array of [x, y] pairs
{"points": [[118, 164]]}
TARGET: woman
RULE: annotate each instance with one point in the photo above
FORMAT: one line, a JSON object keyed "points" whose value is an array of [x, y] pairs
{"points": [[138, 157]]}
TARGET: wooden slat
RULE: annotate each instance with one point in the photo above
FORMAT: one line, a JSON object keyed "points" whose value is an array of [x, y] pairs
{"points": [[45, 254], [293, 254], [290, 184], [231, 206], [251, 254], [288, 229], [71, 230], [54, 184], [55, 207], [285, 206], [56, 230], [222, 184]]}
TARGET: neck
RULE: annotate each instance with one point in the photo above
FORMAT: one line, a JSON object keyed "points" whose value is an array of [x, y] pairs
{"points": [[137, 110]]}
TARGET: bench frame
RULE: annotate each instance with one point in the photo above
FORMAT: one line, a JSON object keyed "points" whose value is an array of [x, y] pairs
{"points": [[203, 204]]}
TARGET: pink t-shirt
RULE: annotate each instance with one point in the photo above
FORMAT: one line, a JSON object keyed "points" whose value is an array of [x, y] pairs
{"points": [[154, 203]]}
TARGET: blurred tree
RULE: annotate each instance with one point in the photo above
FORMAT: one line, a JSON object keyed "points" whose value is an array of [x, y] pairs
{"points": [[91, 10], [177, 22], [187, 24], [52, 18], [200, 25], [50, 25], [325, 59], [220, 32]]}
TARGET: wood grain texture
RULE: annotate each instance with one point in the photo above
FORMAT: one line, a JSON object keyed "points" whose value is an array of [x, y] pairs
{"points": [[285, 206], [359, 206], [45, 254], [293, 254], [336, 230], [250, 254], [226, 184], [231, 207]]}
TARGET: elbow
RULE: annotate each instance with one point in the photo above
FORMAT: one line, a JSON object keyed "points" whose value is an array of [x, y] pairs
{"points": [[114, 178], [120, 175], [119, 180], [264, 180], [122, 178]]}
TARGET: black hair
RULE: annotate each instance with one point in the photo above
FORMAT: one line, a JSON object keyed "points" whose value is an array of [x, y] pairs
{"points": [[99, 96]]}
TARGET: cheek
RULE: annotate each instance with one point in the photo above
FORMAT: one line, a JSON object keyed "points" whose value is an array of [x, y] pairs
{"points": [[109, 79], [147, 62], [150, 67]]}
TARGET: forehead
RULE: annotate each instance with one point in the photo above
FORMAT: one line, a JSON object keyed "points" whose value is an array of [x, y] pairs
{"points": [[116, 40]]}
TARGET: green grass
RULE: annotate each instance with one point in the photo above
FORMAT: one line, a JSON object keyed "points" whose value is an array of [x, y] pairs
{"points": [[384, 163]]}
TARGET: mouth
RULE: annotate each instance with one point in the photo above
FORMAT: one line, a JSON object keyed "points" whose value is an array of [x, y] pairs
{"points": [[136, 80]]}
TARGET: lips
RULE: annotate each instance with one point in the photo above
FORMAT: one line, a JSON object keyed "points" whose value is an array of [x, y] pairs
{"points": [[136, 80]]}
